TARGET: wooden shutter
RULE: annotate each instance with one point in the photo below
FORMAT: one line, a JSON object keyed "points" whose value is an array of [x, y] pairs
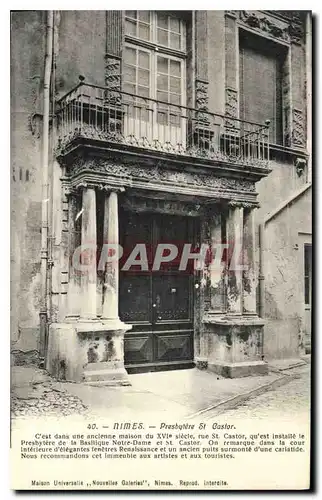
{"points": [[260, 88]]}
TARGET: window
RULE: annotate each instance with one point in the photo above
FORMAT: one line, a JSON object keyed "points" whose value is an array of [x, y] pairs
{"points": [[169, 88], [307, 273], [138, 24], [169, 31], [154, 68], [137, 71], [159, 28], [261, 71]]}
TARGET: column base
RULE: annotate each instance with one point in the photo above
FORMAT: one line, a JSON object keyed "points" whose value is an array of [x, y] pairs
{"points": [[238, 370], [88, 352], [107, 374], [201, 363]]}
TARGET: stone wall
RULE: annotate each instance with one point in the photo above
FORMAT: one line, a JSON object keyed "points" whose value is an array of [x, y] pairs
{"points": [[80, 48], [283, 264], [216, 60], [283, 259], [27, 61]]}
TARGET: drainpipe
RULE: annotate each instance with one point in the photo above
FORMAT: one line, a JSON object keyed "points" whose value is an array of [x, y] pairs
{"points": [[261, 279], [43, 313]]}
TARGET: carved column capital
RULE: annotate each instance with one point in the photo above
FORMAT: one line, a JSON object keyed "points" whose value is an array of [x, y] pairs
{"points": [[111, 189], [68, 190], [231, 13], [235, 204], [81, 186]]}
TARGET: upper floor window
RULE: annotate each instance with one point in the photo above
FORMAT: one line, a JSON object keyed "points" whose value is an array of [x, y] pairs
{"points": [[261, 74], [154, 70], [154, 77], [138, 24], [159, 28]]}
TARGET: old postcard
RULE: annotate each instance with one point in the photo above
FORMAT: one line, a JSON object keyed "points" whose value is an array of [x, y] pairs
{"points": [[161, 249]]}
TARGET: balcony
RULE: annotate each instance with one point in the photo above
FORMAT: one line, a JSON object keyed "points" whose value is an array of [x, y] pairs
{"points": [[126, 121]]}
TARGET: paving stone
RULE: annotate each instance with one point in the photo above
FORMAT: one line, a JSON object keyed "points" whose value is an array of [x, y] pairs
{"points": [[177, 393], [286, 401]]}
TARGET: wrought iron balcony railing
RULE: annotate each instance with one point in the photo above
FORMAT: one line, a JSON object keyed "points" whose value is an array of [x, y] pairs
{"points": [[93, 112]]}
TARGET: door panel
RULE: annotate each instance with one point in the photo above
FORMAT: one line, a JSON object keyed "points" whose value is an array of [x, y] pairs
{"points": [[173, 346], [172, 298], [157, 303], [138, 349], [135, 291]]}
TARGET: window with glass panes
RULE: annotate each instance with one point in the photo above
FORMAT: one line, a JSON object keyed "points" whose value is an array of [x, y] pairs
{"points": [[154, 60], [138, 24]]}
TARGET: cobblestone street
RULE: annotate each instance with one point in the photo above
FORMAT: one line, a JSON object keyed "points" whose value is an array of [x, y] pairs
{"points": [[287, 400]]}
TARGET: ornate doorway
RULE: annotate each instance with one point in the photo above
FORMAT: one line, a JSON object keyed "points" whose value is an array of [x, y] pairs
{"points": [[157, 302]]}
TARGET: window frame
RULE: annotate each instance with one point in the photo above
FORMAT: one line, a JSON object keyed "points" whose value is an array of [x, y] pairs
{"points": [[137, 22], [281, 51], [151, 70], [153, 42], [156, 50]]}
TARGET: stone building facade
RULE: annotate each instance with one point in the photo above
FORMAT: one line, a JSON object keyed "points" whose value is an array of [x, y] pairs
{"points": [[137, 129]]}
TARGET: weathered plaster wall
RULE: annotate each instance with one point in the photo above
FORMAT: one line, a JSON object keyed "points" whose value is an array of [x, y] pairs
{"points": [[278, 185], [80, 47], [283, 266], [216, 60], [80, 39], [27, 59]]}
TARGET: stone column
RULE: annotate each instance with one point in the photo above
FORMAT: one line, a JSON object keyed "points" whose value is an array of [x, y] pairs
{"points": [[74, 290], [111, 275], [235, 338], [216, 267], [234, 271], [106, 349], [250, 273], [89, 275]]}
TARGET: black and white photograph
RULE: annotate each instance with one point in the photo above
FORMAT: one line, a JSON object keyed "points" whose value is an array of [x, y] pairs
{"points": [[161, 249]]}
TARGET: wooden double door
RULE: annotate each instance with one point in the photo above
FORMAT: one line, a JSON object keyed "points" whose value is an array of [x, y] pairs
{"points": [[157, 302]]}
